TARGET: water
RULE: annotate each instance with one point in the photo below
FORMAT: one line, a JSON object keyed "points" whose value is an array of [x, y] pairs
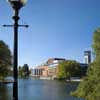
{"points": [[40, 90]]}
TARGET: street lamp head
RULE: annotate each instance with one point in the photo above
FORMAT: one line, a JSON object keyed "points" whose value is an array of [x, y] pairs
{"points": [[17, 4]]}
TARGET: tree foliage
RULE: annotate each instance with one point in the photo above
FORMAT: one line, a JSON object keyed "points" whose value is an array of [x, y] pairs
{"points": [[90, 87], [68, 69], [5, 60], [24, 71]]}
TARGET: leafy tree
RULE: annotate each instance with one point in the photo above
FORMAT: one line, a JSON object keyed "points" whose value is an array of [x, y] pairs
{"points": [[5, 60], [90, 87], [20, 71], [68, 69], [24, 71]]}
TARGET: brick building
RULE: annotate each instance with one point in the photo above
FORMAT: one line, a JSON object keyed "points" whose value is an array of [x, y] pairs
{"points": [[49, 69]]}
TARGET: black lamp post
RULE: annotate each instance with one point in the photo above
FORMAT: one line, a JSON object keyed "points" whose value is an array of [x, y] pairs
{"points": [[16, 5]]}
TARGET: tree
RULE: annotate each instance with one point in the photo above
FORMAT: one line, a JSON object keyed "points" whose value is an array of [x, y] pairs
{"points": [[20, 71], [24, 71], [90, 87], [5, 60], [68, 69]]}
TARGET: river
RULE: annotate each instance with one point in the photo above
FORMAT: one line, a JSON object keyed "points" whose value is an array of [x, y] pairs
{"points": [[30, 89]]}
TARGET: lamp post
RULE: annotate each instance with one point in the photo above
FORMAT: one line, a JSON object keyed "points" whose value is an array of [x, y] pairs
{"points": [[16, 5]]}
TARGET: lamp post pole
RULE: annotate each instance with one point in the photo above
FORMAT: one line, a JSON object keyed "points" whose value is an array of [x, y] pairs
{"points": [[15, 63], [16, 5]]}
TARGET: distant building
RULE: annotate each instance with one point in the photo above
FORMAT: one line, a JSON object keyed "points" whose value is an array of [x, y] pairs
{"points": [[40, 71], [84, 68], [54, 61], [87, 57], [49, 69]]}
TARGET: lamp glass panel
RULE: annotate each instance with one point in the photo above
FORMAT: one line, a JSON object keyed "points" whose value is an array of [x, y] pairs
{"points": [[21, 1]]}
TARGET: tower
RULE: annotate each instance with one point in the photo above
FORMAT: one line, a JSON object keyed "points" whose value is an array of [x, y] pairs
{"points": [[87, 57]]}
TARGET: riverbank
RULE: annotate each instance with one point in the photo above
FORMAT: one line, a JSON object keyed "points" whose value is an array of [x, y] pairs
{"points": [[6, 81], [74, 80], [66, 80]]}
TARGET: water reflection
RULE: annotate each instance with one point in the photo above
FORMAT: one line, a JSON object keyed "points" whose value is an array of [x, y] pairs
{"points": [[5, 92], [40, 90]]}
